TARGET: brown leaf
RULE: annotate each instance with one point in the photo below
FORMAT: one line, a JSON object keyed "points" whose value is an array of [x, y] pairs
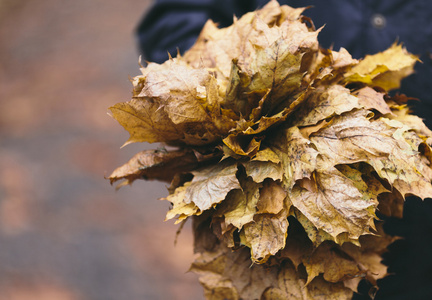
{"points": [[267, 154], [367, 184], [371, 99], [292, 286], [297, 244], [308, 130], [275, 67], [335, 265], [266, 235], [175, 104], [265, 164], [334, 204], [316, 235], [155, 164], [382, 143], [325, 102], [391, 204], [319, 289], [210, 265], [145, 121], [297, 155], [226, 233], [329, 67], [289, 285], [368, 256], [231, 272], [180, 207], [204, 238], [369, 262], [271, 199], [352, 138], [311, 147], [249, 280], [342, 59], [216, 287]]}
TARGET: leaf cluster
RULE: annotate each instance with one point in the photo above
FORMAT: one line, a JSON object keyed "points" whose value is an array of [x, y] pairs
{"points": [[285, 153]]}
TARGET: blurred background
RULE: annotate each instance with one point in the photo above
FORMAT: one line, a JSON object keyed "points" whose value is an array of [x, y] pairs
{"points": [[65, 233]]}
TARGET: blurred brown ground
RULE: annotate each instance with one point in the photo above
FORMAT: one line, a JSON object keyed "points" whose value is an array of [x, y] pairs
{"points": [[64, 232]]}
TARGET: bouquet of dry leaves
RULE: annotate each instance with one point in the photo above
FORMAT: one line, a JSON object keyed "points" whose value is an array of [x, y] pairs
{"points": [[284, 152]]}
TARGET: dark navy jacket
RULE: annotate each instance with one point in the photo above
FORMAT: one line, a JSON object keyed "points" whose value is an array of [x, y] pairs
{"points": [[362, 27]]}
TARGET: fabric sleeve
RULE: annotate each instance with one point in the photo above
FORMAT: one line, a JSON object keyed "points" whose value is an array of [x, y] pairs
{"points": [[172, 25]]}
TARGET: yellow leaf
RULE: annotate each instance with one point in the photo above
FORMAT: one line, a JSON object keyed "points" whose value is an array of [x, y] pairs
{"points": [[242, 145], [405, 168], [285, 152], [315, 235], [267, 154], [239, 207], [385, 69], [413, 122], [180, 206], [276, 64], [260, 170], [175, 104], [367, 184], [211, 185], [265, 164]]}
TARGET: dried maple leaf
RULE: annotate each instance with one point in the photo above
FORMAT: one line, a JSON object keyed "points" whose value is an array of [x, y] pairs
{"points": [[271, 200], [385, 69], [333, 203], [371, 99], [239, 207], [266, 235], [158, 164], [325, 102], [298, 157], [208, 187]]}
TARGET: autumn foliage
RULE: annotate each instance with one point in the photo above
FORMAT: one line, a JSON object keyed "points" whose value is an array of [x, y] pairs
{"points": [[284, 154]]}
